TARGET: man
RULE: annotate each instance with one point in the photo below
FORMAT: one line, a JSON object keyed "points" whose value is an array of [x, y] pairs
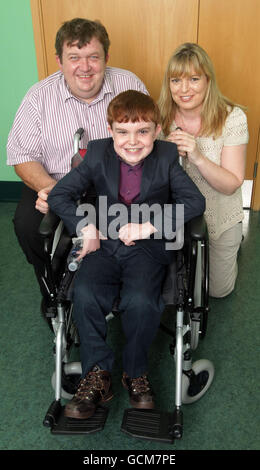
{"points": [[40, 143], [128, 170]]}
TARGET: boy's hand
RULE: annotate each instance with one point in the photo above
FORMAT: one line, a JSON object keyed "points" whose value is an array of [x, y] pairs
{"points": [[91, 240], [130, 232]]}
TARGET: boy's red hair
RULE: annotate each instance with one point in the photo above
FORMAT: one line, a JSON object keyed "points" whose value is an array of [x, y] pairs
{"points": [[133, 106]]}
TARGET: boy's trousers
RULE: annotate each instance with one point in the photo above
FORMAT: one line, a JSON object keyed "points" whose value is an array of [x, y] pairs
{"points": [[137, 278]]}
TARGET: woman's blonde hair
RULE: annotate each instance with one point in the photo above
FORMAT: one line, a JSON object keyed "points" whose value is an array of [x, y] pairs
{"points": [[215, 108]]}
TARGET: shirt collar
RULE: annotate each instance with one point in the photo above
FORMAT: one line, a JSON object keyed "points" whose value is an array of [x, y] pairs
{"points": [[65, 91], [130, 167]]}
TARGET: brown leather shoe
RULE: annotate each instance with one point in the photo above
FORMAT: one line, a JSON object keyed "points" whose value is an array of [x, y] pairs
{"points": [[140, 392], [94, 389]]}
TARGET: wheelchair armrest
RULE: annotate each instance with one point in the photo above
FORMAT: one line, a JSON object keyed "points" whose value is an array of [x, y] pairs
{"points": [[47, 229], [197, 228], [49, 224]]}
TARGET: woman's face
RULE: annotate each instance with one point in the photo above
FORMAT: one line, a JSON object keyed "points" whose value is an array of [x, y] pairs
{"points": [[189, 91]]}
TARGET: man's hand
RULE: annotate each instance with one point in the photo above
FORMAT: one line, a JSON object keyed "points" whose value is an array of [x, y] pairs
{"points": [[36, 177], [130, 232], [41, 203]]}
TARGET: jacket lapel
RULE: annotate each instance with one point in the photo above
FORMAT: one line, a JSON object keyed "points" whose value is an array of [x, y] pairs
{"points": [[112, 170], [149, 171]]}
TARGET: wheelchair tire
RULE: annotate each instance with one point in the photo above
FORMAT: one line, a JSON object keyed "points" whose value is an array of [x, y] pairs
{"points": [[195, 334], [71, 375], [197, 384]]}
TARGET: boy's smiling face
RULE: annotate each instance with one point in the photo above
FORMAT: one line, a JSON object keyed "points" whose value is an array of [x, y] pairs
{"points": [[133, 141]]}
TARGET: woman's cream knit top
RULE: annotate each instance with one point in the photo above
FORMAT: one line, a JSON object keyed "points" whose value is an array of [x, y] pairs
{"points": [[222, 211]]}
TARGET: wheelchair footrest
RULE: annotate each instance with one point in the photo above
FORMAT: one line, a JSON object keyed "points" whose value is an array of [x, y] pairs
{"points": [[93, 424], [148, 424]]}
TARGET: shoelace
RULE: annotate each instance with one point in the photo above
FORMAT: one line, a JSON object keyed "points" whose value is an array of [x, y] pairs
{"points": [[140, 384], [89, 385]]}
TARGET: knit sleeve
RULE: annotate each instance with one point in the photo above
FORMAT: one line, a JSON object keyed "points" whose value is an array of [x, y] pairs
{"points": [[236, 130]]}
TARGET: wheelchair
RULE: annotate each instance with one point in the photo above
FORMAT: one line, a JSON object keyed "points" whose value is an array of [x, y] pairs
{"points": [[186, 289]]}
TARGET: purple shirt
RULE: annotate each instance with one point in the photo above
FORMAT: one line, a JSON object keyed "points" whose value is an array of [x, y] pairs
{"points": [[130, 182]]}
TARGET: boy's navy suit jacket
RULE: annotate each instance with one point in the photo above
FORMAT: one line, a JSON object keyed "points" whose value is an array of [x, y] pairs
{"points": [[163, 182]]}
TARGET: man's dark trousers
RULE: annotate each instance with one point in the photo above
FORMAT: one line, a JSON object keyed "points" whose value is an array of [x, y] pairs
{"points": [[27, 221]]}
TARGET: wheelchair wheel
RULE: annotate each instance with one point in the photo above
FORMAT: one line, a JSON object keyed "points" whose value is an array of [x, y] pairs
{"points": [[195, 334], [71, 374], [196, 383]]}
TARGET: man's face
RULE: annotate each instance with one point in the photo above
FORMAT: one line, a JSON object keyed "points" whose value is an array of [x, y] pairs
{"points": [[84, 69], [133, 141]]}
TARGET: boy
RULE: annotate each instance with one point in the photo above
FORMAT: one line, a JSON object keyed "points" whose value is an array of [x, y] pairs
{"points": [[129, 170]]}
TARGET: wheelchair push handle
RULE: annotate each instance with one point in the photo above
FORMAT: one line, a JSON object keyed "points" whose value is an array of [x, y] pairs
{"points": [[180, 158], [77, 137]]}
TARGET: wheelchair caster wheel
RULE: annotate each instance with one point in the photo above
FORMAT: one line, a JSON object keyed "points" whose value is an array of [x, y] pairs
{"points": [[196, 383], [71, 374]]}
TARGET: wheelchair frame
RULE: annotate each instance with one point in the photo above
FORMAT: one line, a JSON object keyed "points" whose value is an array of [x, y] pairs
{"points": [[191, 380]]}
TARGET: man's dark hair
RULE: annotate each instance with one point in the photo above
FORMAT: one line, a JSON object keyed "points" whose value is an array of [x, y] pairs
{"points": [[80, 31]]}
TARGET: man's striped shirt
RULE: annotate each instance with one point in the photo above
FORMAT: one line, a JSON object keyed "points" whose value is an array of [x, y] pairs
{"points": [[49, 116]]}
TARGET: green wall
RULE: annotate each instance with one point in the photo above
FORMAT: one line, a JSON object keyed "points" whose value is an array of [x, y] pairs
{"points": [[18, 69]]}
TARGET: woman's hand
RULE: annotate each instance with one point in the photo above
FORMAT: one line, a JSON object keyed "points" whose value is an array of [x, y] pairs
{"points": [[187, 146], [226, 177]]}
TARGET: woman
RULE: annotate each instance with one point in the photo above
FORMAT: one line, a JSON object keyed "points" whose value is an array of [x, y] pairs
{"points": [[211, 134]]}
